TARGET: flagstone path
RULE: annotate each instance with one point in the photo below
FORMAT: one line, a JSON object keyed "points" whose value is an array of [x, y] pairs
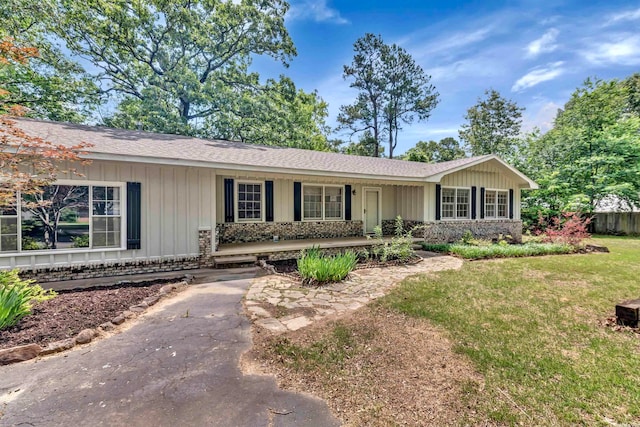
{"points": [[275, 294]]}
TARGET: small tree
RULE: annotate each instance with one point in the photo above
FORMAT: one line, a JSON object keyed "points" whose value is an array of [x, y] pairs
{"points": [[27, 163]]}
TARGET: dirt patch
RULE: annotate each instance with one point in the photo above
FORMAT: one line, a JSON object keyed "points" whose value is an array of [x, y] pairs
{"points": [[392, 370], [69, 313]]}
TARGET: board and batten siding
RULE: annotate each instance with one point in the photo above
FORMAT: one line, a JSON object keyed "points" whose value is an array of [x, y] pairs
{"points": [[283, 193], [490, 175], [176, 202]]}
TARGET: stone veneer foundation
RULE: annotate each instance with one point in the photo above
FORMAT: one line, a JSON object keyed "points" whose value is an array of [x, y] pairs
{"points": [[452, 231], [89, 271], [264, 231]]}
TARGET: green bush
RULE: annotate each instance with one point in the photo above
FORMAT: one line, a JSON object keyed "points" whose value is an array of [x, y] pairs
{"points": [[500, 250], [317, 268], [400, 246], [17, 297], [80, 241]]}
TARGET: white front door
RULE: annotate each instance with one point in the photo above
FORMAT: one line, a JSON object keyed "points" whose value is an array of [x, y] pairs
{"points": [[371, 209]]}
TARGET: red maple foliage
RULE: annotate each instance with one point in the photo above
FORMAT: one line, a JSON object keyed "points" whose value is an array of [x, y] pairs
{"points": [[27, 163], [570, 228]]}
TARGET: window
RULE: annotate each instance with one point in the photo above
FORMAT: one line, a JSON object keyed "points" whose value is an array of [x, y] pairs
{"points": [[249, 201], [106, 217], [455, 203], [322, 202], [64, 217], [496, 204], [9, 229]]}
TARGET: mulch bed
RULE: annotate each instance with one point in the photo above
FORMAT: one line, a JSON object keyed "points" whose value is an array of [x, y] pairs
{"points": [[70, 312]]}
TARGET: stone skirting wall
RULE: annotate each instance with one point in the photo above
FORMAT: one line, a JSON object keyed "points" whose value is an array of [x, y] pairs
{"points": [[89, 271], [452, 231], [264, 231], [389, 226]]}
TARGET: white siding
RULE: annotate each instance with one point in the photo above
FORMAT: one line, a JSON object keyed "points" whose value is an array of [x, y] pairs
{"points": [[176, 202]]}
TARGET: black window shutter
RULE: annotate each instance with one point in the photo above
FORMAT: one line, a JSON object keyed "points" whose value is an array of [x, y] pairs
{"points": [[297, 201], [438, 197], [511, 203], [268, 195], [481, 202], [134, 215], [474, 202], [347, 203], [228, 200]]}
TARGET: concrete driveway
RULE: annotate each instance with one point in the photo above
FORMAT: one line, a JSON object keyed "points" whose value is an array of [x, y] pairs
{"points": [[176, 366]]}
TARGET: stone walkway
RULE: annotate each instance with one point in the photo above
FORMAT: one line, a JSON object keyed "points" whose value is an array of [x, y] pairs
{"points": [[278, 303]]}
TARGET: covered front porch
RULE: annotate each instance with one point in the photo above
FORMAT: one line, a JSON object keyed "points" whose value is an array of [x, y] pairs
{"points": [[240, 253]]}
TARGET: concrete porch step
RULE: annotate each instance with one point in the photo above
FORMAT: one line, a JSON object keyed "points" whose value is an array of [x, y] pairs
{"points": [[228, 261]]}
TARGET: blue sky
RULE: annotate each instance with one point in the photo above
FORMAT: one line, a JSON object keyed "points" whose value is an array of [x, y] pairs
{"points": [[533, 52]]}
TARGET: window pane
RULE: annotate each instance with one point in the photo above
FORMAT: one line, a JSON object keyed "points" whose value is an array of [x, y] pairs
{"points": [[462, 203], [249, 201], [99, 193], [39, 226], [8, 243], [333, 202], [490, 204], [99, 240], [502, 204], [312, 201]]}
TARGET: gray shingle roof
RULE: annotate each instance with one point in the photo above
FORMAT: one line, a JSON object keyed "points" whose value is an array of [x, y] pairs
{"points": [[145, 146]]}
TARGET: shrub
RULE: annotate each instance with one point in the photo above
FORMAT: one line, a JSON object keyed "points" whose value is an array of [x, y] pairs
{"points": [[400, 246], [17, 297], [568, 229], [500, 251], [80, 241], [317, 268]]}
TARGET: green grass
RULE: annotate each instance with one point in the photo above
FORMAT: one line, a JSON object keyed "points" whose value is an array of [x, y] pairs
{"points": [[499, 251], [533, 327]]}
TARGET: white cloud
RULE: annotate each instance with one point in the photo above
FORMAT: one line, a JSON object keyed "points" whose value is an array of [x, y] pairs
{"points": [[447, 44], [546, 43], [540, 116], [538, 75], [316, 10], [628, 15], [625, 50]]}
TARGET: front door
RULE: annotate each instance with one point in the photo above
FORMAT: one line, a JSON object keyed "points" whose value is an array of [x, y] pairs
{"points": [[371, 209]]}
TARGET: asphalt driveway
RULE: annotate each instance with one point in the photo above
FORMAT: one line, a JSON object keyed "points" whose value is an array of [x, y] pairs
{"points": [[176, 366]]}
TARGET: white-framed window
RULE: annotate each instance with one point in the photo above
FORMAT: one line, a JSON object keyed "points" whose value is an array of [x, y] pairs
{"points": [[69, 215], [496, 203], [322, 202], [455, 203], [250, 201], [9, 229]]}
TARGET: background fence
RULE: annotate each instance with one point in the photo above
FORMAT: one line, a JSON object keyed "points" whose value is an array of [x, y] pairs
{"points": [[617, 223]]}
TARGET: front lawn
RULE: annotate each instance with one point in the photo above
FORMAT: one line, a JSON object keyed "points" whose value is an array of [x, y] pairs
{"points": [[534, 328]]}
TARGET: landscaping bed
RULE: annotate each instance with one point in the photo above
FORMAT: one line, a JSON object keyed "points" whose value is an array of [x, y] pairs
{"points": [[71, 312]]}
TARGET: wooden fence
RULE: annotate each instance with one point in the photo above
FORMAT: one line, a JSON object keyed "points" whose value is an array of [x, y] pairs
{"points": [[617, 223]]}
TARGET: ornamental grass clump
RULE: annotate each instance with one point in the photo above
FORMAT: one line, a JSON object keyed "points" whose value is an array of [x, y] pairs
{"points": [[500, 251], [17, 297], [314, 267]]}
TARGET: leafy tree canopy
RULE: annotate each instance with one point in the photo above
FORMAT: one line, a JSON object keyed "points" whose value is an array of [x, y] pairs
{"points": [[492, 126], [433, 152], [592, 152]]}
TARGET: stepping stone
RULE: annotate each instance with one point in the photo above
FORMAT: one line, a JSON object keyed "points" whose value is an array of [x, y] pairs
{"points": [[297, 323]]}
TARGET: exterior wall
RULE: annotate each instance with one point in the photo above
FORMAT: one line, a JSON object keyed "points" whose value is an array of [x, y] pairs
{"points": [[264, 231], [488, 175], [175, 203]]}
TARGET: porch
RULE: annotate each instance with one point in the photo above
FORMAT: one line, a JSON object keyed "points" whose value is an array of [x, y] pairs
{"points": [[244, 253]]}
